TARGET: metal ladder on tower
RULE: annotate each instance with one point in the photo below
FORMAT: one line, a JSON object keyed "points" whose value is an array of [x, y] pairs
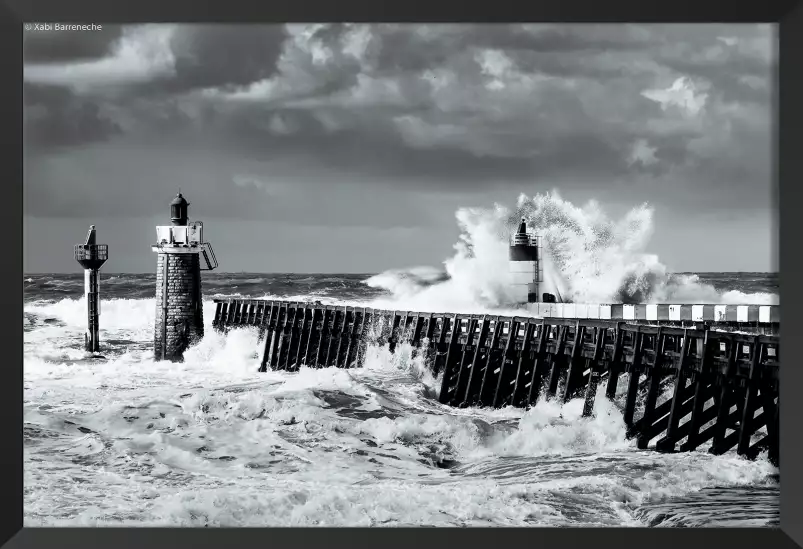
{"points": [[209, 256]]}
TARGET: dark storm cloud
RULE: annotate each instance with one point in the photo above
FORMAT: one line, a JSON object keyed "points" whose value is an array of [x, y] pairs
{"points": [[131, 179], [374, 148], [203, 56], [400, 47], [426, 107], [221, 56], [56, 117]]}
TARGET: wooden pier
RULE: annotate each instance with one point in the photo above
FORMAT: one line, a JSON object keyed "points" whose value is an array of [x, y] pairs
{"points": [[722, 385]]}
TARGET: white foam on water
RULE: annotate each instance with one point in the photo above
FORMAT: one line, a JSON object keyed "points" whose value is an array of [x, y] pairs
{"points": [[133, 441]]}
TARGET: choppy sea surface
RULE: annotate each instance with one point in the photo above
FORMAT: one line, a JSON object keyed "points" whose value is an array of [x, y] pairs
{"points": [[125, 440]]}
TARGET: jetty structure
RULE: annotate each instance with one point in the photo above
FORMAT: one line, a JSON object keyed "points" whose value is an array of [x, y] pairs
{"points": [[182, 253], [91, 256], [722, 385], [688, 375]]}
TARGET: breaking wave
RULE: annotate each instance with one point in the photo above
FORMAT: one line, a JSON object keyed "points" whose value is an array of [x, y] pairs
{"points": [[587, 257]]}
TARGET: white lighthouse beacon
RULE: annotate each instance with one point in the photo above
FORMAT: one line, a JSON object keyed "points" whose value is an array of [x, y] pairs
{"points": [[182, 255], [525, 266]]}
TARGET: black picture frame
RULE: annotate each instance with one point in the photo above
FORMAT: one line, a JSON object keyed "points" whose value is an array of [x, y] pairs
{"points": [[13, 14]]}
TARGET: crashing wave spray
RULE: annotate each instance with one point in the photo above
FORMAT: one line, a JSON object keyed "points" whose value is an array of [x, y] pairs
{"points": [[587, 257]]}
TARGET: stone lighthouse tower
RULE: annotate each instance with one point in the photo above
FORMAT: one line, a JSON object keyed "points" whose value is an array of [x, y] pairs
{"points": [[182, 254]]}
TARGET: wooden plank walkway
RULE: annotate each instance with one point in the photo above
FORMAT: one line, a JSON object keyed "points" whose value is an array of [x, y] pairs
{"points": [[723, 385]]}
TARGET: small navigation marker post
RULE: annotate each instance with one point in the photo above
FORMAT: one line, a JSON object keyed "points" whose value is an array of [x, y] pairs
{"points": [[92, 256], [182, 255]]}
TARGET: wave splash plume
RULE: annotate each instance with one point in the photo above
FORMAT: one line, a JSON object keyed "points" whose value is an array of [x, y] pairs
{"points": [[587, 257]]}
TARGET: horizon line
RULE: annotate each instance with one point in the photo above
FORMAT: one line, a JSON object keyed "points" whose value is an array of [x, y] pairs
{"points": [[339, 272]]}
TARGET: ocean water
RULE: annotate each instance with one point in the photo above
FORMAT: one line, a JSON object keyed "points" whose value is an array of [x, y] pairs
{"points": [[125, 440]]}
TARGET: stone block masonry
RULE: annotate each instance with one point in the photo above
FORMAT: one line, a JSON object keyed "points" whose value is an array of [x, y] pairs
{"points": [[179, 305]]}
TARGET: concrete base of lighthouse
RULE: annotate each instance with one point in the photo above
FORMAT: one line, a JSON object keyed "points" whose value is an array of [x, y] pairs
{"points": [[179, 305]]}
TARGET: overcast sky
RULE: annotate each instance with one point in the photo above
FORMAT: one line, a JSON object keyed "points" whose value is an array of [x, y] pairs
{"points": [[348, 148]]}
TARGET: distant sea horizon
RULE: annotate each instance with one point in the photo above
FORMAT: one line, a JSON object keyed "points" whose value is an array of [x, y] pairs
{"points": [[350, 273], [411, 288]]}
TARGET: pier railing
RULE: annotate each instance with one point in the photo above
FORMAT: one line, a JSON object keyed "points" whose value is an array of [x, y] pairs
{"points": [[722, 385]]}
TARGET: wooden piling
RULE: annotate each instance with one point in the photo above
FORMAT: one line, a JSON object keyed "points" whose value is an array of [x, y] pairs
{"points": [[615, 365], [466, 362], [595, 373], [290, 334], [450, 371], [284, 337], [340, 336], [749, 405], [278, 335], [490, 366], [351, 343], [323, 339], [667, 443], [557, 361], [771, 408], [431, 347], [442, 345], [576, 363], [634, 372], [394, 332], [269, 334], [725, 400], [654, 377], [524, 367], [540, 365], [476, 372], [507, 371], [301, 334]]}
